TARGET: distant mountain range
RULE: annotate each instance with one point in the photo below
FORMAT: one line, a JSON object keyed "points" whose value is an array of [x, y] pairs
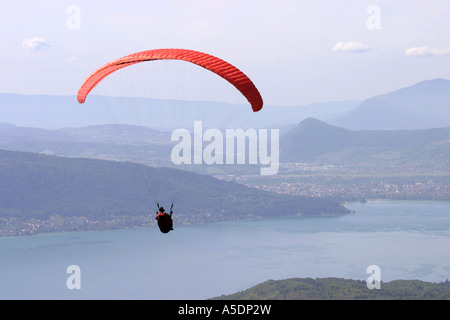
{"points": [[311, 140], [108, 142], [109, 133], [56, 112], [314, 140], [421, 106], [424, 105]]}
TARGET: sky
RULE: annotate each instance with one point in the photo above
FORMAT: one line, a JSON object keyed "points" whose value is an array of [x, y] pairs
{"points": [[296, 52]]}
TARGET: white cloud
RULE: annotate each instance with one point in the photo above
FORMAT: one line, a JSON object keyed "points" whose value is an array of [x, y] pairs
{"points": [[35, 43], [71, 59], [426, 52], [351, 46]]}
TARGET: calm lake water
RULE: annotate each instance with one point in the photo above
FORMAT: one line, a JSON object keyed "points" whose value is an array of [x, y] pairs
{"points": [[406, 239]]}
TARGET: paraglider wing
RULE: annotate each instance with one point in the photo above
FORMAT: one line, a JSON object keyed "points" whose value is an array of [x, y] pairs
{"points": [[222, 68]]}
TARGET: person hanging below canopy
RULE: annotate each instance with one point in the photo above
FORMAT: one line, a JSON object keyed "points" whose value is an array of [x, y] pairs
{"points": [[165, 222]]}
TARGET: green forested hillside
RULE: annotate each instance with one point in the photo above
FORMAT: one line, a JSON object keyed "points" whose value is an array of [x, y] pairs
{"points": [[336, 288], [40, 187]]}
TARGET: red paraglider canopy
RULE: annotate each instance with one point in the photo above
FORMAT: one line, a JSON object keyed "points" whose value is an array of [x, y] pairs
{"points": [[222, 68]]}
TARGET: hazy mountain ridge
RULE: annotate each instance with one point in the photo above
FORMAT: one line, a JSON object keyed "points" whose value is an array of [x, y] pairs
{"points": [[424, 105], [420, 106], [56, 112], [425, 98], [108, 133], [376, 114], [110, 142], [313, 140]]}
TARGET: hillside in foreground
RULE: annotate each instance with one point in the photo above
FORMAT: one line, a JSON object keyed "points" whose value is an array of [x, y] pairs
{"points": [[40, 193], [341, 289]]}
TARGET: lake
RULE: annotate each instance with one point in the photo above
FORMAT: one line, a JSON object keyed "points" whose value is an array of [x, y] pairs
{"points": [[406, 239]]}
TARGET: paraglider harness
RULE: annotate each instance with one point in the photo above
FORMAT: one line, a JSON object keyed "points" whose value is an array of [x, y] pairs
{"points": [[165, 222]]}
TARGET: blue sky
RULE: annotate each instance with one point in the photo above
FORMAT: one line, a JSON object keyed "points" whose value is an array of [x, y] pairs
{"points": [[296, 52]]}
